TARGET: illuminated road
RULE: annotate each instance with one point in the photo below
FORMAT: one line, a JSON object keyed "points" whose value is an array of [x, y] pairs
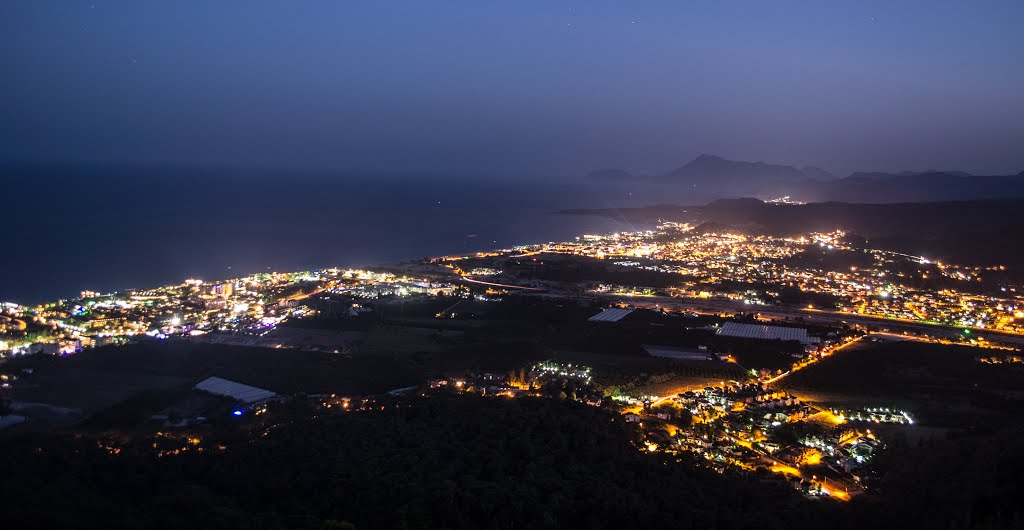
{"points": [[714, 307], [532, 253], [900, 323], [502, 285], [302, 296], [816, 360]]}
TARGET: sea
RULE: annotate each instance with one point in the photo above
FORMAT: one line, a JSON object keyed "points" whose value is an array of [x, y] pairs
{"points": [[69, 229]]}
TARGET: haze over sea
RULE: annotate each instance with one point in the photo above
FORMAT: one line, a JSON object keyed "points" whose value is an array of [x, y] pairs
{"points": [[74, 229]]}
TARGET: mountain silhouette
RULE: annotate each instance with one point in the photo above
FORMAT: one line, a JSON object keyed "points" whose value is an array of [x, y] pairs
{"points": [[706, 169], [714, 176]]}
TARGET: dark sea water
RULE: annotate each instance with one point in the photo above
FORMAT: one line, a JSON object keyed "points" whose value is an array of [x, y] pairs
{"points": [[71, 229]]}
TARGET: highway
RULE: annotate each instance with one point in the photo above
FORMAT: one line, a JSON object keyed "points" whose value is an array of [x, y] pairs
{"points": [[501, 285], [803, 314], [778, 312]]}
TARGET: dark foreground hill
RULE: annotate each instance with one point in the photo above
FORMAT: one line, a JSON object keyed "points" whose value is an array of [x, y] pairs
{"points": [[437, 463], [461, 462]]}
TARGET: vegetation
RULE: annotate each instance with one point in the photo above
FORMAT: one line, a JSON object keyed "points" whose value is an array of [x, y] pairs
{"points": [[472, 462], [442, 462], [941, 385], [966, 480]]}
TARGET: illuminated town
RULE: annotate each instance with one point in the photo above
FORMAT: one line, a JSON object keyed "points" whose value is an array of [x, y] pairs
{"points": [[751, 270], [245, 308], [744, 273], [745, 421], [331, 265]]}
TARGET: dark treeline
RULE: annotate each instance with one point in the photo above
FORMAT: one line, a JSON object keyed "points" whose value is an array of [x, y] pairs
{"points": [[965, 480], [432, 463]]}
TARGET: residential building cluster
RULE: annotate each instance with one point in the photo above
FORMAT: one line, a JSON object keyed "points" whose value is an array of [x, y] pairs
{"points": [[239, 310]]}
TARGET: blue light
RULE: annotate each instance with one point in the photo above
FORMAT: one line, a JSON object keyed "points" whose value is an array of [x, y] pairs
{"points": [[238, 412]]}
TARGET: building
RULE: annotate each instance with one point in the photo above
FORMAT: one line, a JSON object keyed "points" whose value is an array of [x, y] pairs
{"points": [[610, 315], [701, 353], [51, 348], [764, 332], [224, 290], [242, 393]]}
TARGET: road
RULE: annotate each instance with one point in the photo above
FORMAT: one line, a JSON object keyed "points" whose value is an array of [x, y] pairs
{"points": [[803, 314], [501, 285], [814, 360]]}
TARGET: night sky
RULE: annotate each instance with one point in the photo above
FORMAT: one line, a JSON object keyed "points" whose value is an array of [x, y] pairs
{"points": [[514, 87]]}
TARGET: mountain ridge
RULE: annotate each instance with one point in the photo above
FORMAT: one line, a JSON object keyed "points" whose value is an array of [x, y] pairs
{"points": [[715, 176]]}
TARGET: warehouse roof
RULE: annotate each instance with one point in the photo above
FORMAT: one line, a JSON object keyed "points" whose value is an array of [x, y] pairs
{"points": [[760, 331], [231, 389], [610, 315], [682, 354]]}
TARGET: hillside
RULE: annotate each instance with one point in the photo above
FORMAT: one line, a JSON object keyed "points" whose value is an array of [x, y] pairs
{"points": [[976, 232]]}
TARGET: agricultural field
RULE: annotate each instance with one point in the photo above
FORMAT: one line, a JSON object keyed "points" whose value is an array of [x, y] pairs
{"points": [[66, 390], [941, 385]]}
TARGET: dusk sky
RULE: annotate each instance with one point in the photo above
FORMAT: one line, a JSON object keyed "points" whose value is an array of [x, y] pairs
{"points": [[514, 87]]}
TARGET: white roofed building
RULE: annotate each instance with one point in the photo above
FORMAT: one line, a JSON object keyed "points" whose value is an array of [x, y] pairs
{"points": [[763, 332], [237, 391], [614, 314]]}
